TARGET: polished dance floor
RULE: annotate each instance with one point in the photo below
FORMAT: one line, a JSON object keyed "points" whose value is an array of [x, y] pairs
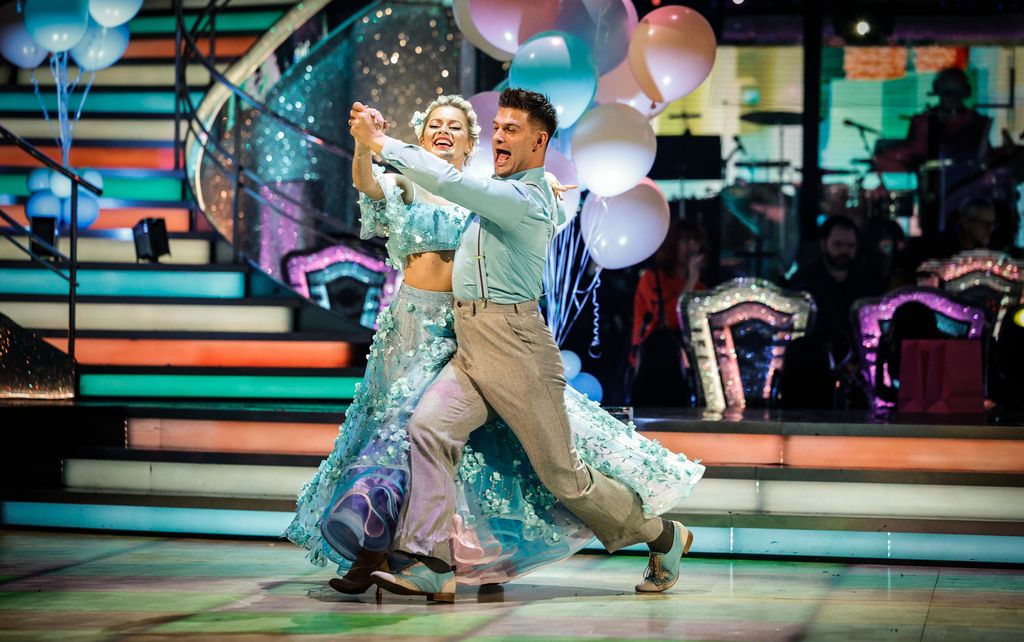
{"points": [[71, 587]]}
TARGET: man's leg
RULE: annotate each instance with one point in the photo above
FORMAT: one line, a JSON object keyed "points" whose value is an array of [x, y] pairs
{"points": [[448, 412]]}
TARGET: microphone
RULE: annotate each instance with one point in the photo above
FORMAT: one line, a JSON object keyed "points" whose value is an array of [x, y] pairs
{"points": [[863, 128], [739, 145]]}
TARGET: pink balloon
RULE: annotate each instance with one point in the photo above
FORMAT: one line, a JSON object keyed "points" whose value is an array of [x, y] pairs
{"points": [[565, 171], [604, 25], [671, 53], [619, 86], [506, 24], [463, 20], [485, 104], [623, 230]]}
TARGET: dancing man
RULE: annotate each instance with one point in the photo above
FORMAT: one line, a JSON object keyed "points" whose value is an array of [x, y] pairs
{"points": [[506, 362]]}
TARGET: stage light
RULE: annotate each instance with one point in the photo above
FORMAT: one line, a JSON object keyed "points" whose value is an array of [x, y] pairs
{"points": [[1018, 318], [862, 28], [737, 1]]}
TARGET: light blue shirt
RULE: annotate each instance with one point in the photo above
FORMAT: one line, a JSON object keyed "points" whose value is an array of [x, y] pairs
{"points": [[503, 250]]}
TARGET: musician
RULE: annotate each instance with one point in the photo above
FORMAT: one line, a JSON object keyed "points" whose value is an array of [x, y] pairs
{"points": [[948, 143]]}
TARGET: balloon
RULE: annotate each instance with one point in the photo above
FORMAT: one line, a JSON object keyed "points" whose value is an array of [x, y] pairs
{"points": [[619, 86], [16, 44], [100, 47], [60, 184], [43, 205], [571, 364], [613, 148], [56, 25], [88, 209], [560, 67], [565, 172], [481, 164], [623, 230], [463, 20], [38, 180], [93, 177], [603, 25], [505, 25], [671, 53], [112, 13], [587, 384]]}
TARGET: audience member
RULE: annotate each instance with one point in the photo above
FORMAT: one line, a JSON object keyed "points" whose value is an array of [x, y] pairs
{"points": [[911, 320]]}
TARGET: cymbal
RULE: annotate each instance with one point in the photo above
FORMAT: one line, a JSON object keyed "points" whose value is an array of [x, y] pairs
{"points": [[762, 163], [773, 117]]}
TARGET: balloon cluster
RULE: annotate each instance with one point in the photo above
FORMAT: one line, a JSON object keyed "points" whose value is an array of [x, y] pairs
{"points": [[50, 197], [584, 382], [94, 32], [607, 73]]}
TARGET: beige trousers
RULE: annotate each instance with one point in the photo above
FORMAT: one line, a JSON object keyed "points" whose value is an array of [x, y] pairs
{"points": [[506, 364]]}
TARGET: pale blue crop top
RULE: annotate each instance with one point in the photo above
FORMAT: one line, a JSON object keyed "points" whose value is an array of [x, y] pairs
{"points": [[409, 229]]}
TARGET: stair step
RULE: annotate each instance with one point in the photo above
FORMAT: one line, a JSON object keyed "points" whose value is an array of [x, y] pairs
{"points": [[163, 48], [184, 251], [241, 315], [163, 74], [276, 353], [233, 436], [246, 20], [91, 155], [152, 187], [91, 128], [176, 219], [142, 280], [21, 102], [219, 383]]}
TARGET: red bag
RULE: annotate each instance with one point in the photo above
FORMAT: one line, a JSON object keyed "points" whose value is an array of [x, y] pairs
{"points": [[941, 376]]}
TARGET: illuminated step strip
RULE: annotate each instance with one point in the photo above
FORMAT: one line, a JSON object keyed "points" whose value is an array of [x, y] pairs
{"points": [[855, 452], [197, 284], [225, 46], [120, 102], [100, 157], [121, 218], [141, 188], [873, 453], [203, 386], [926, 501], [117, 250], [97, 129], [151, 316], [197, 75], [712, 540], [223, 353]]}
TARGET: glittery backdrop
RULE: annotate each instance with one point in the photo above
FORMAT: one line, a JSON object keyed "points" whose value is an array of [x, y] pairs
{"points": [[31, 368], [397, 58]]}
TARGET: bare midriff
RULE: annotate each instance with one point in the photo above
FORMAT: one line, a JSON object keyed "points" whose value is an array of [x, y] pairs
{"points": [[430, 271]]}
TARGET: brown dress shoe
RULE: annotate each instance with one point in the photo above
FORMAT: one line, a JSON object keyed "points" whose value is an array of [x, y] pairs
{"points": [[357, 580]]}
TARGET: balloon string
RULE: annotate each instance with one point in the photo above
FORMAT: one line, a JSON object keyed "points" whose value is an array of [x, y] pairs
{"points": [[42, 105], [595, 344], [85, 94]]}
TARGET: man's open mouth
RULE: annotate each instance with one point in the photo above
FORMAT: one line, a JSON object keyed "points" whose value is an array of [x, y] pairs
{"points": [[501, 156]]}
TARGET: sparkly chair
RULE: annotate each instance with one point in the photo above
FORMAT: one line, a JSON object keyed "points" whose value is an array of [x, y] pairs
{"points": [[871, 316], [738, 334], [990, 280], [353, 283]]}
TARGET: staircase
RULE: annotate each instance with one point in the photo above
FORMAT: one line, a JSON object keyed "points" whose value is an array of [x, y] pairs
{"points": [[208, 394]]}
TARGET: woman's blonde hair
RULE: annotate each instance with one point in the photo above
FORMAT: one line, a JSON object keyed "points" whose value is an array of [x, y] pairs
{"points": [[419, 118]]}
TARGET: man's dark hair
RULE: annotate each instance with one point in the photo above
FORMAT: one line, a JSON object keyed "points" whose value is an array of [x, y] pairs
{"points": [[537, 107], [833, 222]]}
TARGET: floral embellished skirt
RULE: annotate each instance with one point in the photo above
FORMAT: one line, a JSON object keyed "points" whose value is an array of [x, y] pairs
{"points": [[507, 523]]}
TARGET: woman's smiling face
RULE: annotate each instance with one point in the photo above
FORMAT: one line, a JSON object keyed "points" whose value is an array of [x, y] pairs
{"points": [[446, 135]]}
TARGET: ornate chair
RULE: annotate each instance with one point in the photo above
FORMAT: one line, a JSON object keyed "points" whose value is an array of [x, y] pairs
{"points": [[990, 280], [957, 319], [738, 334], [355, 284]]}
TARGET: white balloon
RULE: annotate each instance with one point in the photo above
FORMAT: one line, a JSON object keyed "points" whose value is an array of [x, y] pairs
{"points": [[623, 230], [619, 86], [571, 364], [464, 21], [613, 147], [60, 184], [565, 172]]}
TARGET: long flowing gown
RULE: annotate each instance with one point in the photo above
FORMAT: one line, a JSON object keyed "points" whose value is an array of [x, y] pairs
{"points": [[507, 523]]}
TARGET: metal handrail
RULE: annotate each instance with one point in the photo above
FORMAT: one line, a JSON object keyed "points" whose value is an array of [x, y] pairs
{"points": [[76, 182]]}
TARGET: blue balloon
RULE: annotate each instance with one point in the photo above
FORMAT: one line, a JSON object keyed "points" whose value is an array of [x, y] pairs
{"points": [[16, 44], [101, 46], [38, 180], [111, 13], [60, 184], [562, 68], [43, 205], [587, 384], [56, 25], [88, 210], [93, 177], [571, 364]]}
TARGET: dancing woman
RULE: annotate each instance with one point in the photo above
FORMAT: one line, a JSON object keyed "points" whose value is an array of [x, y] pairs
{"points": [[506, 522]]}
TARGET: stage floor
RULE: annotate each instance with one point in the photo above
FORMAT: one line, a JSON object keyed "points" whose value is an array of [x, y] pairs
{"points": [[74, 587]]}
